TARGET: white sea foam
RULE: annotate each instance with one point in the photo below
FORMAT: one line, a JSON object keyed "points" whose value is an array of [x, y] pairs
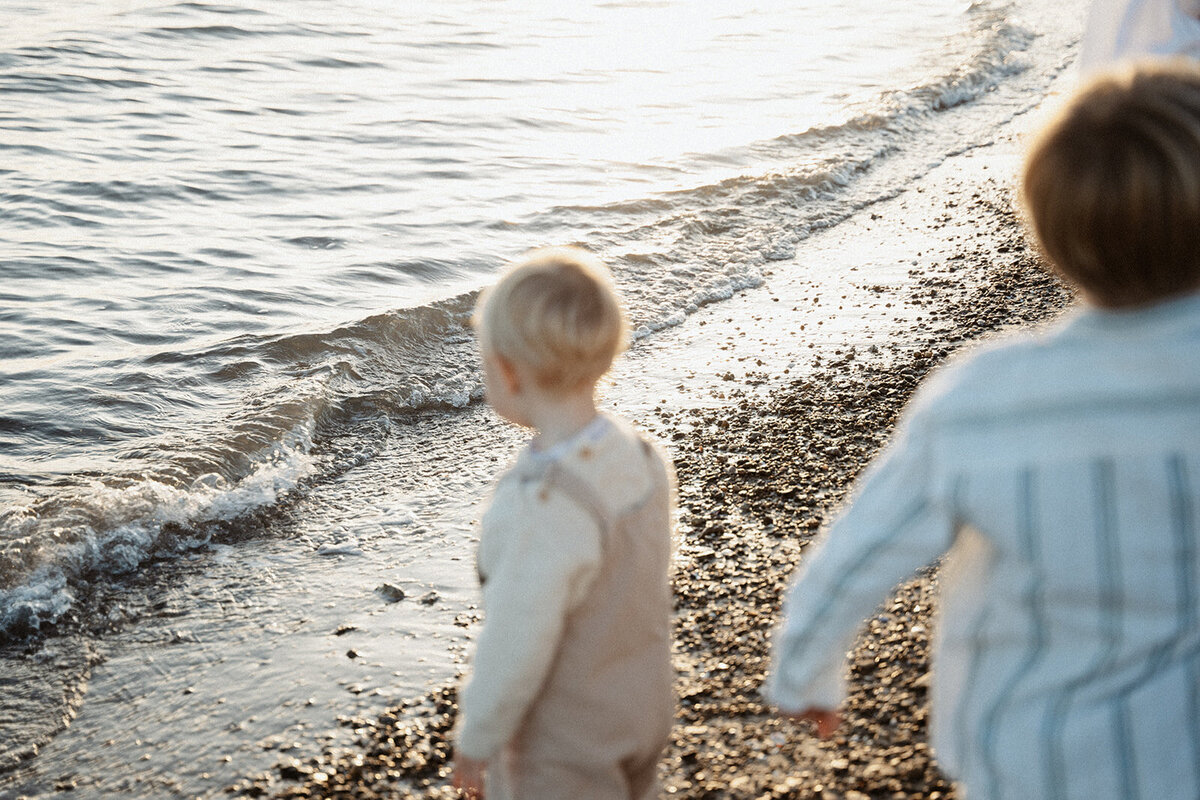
{"points": [[350, 548], [129, 524]]}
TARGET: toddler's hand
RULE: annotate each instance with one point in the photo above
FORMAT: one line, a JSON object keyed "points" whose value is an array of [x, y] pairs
{"points": [[468, 777]]}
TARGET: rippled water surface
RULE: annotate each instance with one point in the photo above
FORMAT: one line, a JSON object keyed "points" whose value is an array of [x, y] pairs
{"points": [[180, 174], [233, 233]]}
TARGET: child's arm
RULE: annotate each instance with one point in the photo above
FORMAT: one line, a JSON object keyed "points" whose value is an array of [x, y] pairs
{"points": [[895, 525], [548, 563]]}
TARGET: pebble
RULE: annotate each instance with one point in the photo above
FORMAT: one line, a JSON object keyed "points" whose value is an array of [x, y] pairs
{"points": [[390, 593]]}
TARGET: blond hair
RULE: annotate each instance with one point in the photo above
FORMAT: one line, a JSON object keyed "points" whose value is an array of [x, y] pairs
{"points": [[557, 313], [1112, 186]]}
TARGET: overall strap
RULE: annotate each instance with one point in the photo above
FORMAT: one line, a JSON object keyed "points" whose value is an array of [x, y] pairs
{"points": [[649, 452], [586, 496], [581, 492]]}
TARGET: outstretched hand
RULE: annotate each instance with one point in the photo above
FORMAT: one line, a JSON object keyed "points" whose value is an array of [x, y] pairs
{"points": [[468, 777], [825, 720]]}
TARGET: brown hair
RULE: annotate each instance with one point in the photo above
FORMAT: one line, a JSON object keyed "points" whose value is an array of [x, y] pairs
{"points": [[1112, 186], [556, 312]]}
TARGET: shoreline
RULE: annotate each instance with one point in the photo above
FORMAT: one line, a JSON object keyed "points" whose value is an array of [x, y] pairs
{"points": [[759, 472]]}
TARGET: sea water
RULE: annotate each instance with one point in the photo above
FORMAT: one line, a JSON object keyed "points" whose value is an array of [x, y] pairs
{"points": [[239, 244]]}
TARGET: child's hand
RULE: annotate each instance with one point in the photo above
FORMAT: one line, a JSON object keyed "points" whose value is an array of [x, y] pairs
{"points": [[468, 777], [827, 721]]}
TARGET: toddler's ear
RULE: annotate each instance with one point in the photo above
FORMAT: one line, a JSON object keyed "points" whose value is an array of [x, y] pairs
{"points": [[510, 374]]}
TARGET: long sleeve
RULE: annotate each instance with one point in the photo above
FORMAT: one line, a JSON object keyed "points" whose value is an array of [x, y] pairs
{"points": [[546, 557], [895, 525], [1122, 30]]}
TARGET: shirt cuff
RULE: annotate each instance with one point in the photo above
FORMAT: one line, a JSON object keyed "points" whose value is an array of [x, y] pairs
{"points": [[792, 693], [471, 744]]}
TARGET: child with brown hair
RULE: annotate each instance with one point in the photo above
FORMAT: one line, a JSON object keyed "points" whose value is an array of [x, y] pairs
{"points": [[571, 694], [1060, 475]]}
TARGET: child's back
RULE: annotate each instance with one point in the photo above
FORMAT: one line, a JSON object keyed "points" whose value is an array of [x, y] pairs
{"points": [[1071, 634], [602, 715]]}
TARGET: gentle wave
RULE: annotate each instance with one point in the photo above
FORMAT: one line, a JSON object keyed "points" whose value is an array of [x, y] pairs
{"points": [[993, 57], [32, 83], [217, 8], [216, 31], [332, 385], [106, 526], [101, 530]]}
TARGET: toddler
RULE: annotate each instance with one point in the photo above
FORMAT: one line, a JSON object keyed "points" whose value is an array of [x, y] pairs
{"points": [[571, 688], [1060, 472]]}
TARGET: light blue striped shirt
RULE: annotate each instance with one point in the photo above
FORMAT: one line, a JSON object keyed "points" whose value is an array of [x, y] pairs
{"points": [[1060, 473]]}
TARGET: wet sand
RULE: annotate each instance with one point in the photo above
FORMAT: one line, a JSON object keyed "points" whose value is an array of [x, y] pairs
{"points": [[761, 467]]}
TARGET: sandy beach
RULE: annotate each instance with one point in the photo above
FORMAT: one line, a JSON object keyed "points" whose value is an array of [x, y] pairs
{"points": [[762, 464]]}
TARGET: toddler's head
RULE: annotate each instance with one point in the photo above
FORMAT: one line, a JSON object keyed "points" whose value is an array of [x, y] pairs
{"points": [[1112, 186], [555, 314]]}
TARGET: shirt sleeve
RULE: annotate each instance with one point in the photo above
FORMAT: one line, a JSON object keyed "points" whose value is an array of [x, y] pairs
{"points": [[541, 573], [894, 525], [1121, 30]]}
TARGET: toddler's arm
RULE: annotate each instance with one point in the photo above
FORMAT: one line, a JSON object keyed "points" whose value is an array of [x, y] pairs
{"points": [[547, 564], [895, 524]]}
